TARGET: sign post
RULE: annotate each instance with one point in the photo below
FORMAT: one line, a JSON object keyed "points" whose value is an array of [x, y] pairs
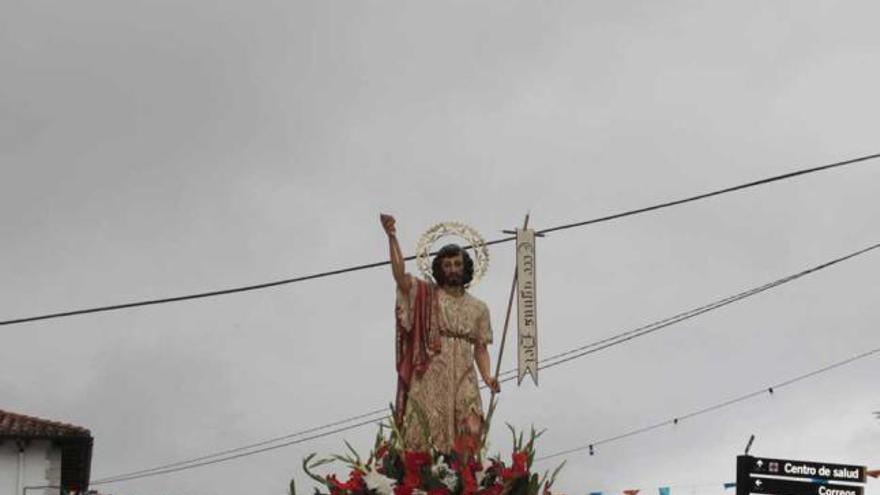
{"points": [[792, 477]]}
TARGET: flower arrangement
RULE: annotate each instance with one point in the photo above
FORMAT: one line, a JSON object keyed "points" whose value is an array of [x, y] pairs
{"points": [[392, 470]]}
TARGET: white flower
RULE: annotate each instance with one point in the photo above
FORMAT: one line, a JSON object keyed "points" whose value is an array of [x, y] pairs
{"points": [[479, 475], [379, 482], [439, 468], [446, 475]]}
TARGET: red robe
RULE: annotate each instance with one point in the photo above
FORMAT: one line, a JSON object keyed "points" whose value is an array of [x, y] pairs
{"points": [[415, 347]]}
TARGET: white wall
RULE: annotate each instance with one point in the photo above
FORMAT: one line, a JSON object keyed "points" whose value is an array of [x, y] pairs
{"points": [[41, 466]]}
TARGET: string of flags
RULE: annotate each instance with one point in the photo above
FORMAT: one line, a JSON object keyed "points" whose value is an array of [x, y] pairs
{"points": [[664, 490], [667, 490]]}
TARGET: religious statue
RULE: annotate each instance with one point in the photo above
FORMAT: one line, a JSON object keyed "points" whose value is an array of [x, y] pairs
{"points": [[441, 332]]}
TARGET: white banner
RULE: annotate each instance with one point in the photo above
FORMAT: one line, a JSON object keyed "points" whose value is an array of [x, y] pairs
{"points": [[526, 305]]}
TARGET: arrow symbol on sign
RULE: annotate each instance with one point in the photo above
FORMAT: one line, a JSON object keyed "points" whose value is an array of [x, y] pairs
{"points": [[759, 463], [758, 483]]}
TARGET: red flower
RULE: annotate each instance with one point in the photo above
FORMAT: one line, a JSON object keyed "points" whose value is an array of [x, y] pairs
{"points": [[465, 446], [413, 458], [492, 490], [336, 488], [469, 484], [356, 481], [403, 490], [519, 467], [381, 451], [412, 467], [354, 484]]}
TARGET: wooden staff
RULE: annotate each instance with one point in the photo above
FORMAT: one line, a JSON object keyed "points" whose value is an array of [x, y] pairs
{"points": [[492, 401]]}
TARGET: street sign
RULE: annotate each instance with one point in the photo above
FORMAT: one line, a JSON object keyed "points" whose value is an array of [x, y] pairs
{"points": [[752, 477], [775, 486], [807, 469]]}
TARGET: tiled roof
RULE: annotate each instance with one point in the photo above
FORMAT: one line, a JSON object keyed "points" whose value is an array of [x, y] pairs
{"points": [[14, 425]]}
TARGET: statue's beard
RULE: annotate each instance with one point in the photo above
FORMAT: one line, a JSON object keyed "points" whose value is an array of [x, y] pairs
{"points": [[454, 280]]}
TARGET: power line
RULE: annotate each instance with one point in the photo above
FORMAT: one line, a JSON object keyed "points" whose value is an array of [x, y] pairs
{"points": [[236, 456], [277, 283], [128, 475], [674, 421], [548, 362], [615, 438], [653, 327], [718, 192]]}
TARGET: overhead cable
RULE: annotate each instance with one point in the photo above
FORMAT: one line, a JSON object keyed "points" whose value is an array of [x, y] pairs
{"points": [[340, 271], [721, 405], [620, 338], [250, 446], [105, 481], [548, 362]]}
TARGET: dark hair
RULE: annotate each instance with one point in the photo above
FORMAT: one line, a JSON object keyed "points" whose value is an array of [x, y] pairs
{"points": [[448, 251]]}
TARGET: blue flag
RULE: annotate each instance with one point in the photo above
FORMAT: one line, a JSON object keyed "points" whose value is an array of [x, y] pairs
{"points": [[729, 485], [664, 490]]}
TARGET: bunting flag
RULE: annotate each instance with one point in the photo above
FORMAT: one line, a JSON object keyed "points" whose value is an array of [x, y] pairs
{"points": [[728, 486], [595, 493], [630, 492], [664, 490], [874, 473]]}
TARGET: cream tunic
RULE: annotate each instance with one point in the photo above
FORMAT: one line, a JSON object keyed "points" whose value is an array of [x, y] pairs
{"points": [[448, 390]]}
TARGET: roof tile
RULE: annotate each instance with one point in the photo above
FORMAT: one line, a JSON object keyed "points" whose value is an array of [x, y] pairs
{"points": [[21, 426]]}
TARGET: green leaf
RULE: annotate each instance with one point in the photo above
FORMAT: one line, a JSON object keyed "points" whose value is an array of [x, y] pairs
{"points": [[357, 458], [487, 424], [321, 462], [534, 485], [345, 460], [422, 419], [308, 471], [396, 438], [513, 433], [555, 473]]}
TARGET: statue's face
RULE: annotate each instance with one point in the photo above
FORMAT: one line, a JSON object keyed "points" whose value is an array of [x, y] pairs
{"points": [[453, 269]]}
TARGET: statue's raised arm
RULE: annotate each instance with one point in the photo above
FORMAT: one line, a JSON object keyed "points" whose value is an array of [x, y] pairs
{"points": [[403, 279]]}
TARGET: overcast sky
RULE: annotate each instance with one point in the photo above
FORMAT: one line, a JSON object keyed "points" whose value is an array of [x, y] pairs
{"points": [[152, 149]]}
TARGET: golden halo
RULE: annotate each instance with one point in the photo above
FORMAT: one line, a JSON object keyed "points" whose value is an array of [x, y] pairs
{"points": [[458, 229]]}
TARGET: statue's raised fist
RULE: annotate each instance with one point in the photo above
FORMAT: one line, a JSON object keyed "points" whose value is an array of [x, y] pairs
{"points": [[388, 224]]}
